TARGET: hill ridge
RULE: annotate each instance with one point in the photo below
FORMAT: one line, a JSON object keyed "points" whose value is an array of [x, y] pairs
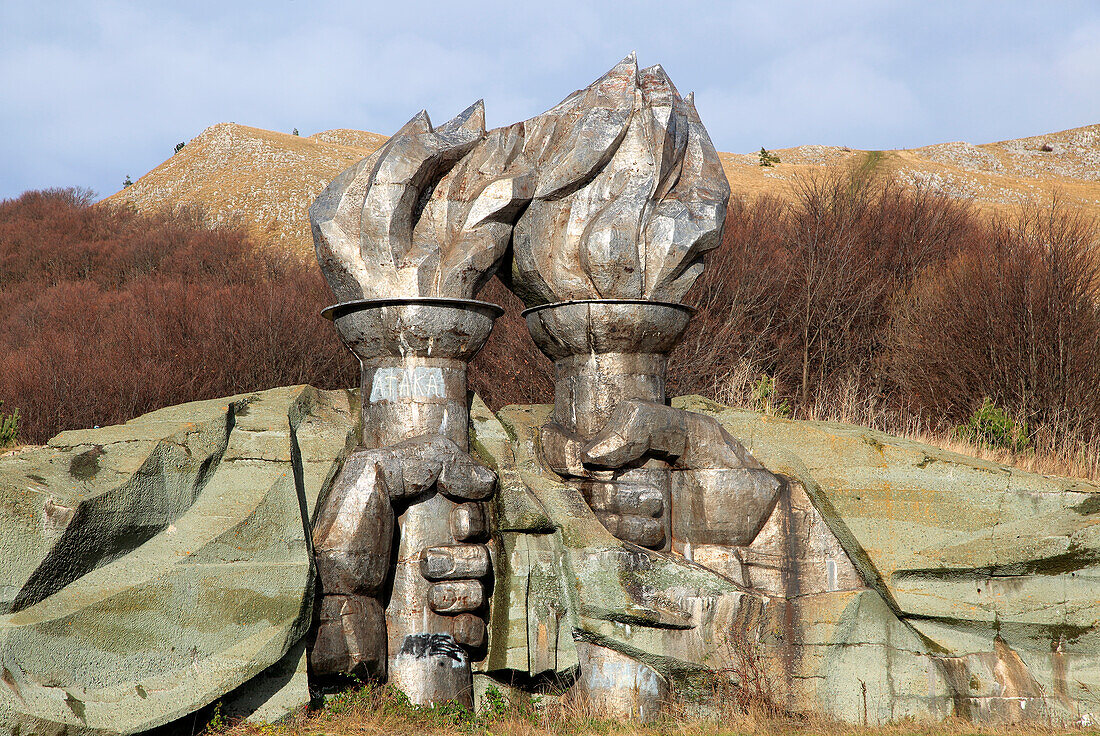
{"points": [[266, 179]]}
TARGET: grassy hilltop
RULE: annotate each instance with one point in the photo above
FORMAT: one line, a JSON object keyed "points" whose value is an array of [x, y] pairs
{"points": [[267, 179]]}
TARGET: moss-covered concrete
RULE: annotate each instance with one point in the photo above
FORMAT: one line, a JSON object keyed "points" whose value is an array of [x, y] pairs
{"points": [[156, 566], [181, 567]]}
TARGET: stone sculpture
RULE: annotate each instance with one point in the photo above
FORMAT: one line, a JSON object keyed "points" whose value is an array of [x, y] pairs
{"points": [[616, 543], [614, 195], [602, 269], [405, 238]]}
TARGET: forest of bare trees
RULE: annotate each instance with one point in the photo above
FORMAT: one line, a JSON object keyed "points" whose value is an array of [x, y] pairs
{"points": [[859, 299]]}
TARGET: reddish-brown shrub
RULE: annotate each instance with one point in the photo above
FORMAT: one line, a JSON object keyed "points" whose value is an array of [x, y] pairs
{"points": [[106, 313], [857, 292], [802, 290], [1016, 319], [510, 369]]}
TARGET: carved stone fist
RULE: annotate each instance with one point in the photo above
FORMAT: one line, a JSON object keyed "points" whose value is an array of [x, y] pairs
{"points": [[353, 546], [720, 493]]}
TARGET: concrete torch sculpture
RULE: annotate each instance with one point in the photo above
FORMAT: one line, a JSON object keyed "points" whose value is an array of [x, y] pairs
{"points": [[152, 568], [613, 195], [602, 268], [405, 238]]}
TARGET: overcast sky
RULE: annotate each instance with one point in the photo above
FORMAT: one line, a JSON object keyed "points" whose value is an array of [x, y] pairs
{"points": [[92, 91]]}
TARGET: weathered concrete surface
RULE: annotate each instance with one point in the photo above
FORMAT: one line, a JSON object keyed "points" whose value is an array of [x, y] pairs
{"points": [[561, 577], [890, 580], [965, 587], [179, 566], [274, 693], [387, 509], [630, 193]]}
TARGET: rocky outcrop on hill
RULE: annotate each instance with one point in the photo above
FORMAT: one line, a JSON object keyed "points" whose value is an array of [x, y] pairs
{"points": [[266, 180], [259, 178]]}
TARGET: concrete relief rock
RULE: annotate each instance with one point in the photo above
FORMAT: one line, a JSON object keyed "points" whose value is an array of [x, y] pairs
{"points": [[216, 585]]}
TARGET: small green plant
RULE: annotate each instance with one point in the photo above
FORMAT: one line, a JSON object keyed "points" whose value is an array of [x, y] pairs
{"points": [[767, 158], [992, 426], [218, 722], [766, 400], [9, 427], [179, 146], [494, 704], [359, 693], [126, 183], [450, 713]]}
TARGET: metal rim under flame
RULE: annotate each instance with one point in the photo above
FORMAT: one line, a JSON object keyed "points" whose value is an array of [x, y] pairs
{"points": [[646, 302], [335, 311]]}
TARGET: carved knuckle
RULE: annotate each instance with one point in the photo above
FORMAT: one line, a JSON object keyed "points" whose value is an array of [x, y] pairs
{"points": [[455, 561], [456, 596]]}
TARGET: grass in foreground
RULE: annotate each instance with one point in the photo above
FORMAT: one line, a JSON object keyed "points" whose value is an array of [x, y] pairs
{"points": [[381, 710]]}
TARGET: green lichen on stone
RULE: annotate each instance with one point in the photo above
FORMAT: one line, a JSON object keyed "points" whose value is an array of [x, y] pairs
{"points": [[85, 465], [197, 524]]}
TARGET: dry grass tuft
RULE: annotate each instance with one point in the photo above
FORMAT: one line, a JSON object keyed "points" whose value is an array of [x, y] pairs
{"points": [[374, 711]]}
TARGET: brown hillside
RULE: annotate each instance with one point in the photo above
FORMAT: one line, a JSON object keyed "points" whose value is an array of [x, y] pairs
{"points": [[267, 179], [264, 178]]}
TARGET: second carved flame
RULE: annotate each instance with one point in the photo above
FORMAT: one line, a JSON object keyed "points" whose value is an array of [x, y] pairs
{"points": [[614, 193]]}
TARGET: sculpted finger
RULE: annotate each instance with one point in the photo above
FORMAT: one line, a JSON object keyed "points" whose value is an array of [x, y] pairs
{"points": [[468, 522], [561, 450], [465, 478], [622, 440], [643, 531], [711, 446], [469, 630], [454, 562], [414, 466], [456, 596], [635, 428], [624, 498]]}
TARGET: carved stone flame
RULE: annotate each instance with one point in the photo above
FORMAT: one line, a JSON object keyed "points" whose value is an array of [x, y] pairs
{"points": [[634, 196]]}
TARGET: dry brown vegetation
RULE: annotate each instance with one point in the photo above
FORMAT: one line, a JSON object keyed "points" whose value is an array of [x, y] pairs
{"points": [[855, 300], [106, 314], [863, 302], [379, 710]]}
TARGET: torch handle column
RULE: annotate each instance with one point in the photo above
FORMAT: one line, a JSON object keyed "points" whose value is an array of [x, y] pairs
{"points": [[606, 351], [587, 390], [405, 397]]}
